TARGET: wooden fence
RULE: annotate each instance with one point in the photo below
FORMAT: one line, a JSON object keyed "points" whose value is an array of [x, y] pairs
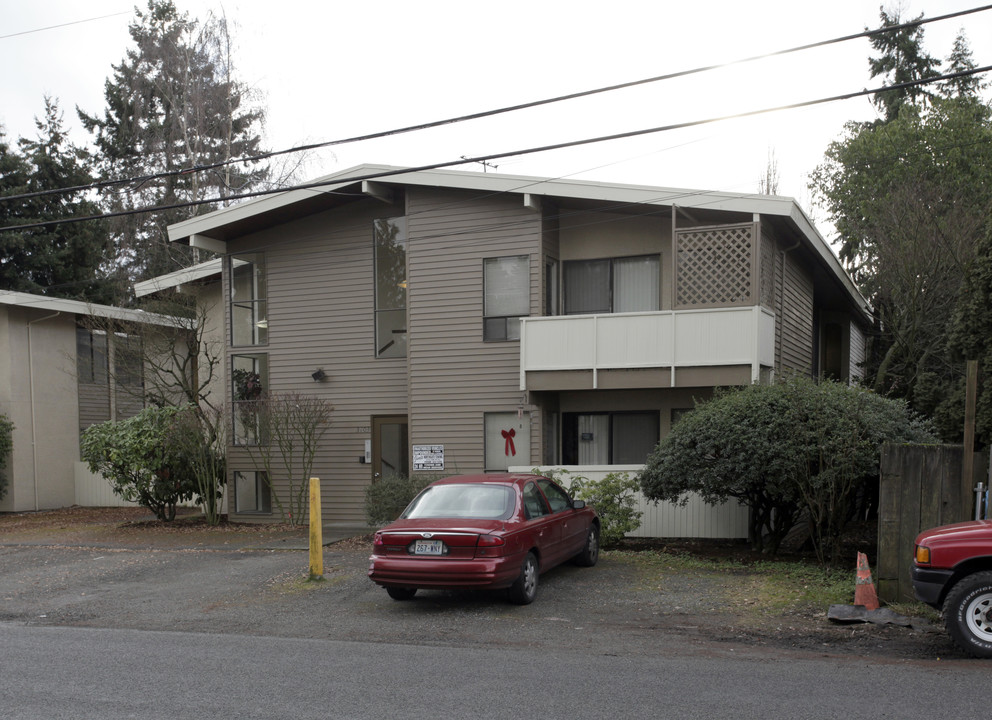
{"points": [[920, 487]]}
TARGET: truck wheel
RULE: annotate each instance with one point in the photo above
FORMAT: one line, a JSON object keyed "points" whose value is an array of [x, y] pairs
{"points": [[968, 614]]}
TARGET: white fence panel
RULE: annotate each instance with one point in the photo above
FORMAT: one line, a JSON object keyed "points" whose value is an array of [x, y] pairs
{"points": [[93, 490], [696, 519]]}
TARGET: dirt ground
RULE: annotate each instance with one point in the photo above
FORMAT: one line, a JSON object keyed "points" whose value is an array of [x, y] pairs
{"points": [[119, 567]]}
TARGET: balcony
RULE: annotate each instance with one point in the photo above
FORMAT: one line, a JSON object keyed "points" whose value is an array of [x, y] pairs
{"points": [[682, 348]]}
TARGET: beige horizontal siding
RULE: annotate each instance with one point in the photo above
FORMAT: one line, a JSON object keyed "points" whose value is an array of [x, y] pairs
{"points": [[456, 377], [320, 276]]}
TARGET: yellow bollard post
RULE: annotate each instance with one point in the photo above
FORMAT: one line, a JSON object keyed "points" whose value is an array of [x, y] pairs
{"points": [[316, 536]]}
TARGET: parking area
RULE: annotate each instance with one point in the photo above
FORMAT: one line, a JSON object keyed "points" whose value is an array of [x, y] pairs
{"points": [[253, 581]]}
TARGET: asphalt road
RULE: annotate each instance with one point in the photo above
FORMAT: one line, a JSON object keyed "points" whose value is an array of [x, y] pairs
{"points": [[82, 673]]}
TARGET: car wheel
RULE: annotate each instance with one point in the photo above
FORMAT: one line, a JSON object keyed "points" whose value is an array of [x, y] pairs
{"points": [[524, 590], [968, 614], [401, 593], [590, 553]]}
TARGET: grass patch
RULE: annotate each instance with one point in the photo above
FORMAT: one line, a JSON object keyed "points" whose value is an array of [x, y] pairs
{"points": [[753, 588], [792, 587]]}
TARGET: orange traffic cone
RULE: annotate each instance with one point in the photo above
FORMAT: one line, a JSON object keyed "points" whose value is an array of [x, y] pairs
{"points": [[864, 588]]}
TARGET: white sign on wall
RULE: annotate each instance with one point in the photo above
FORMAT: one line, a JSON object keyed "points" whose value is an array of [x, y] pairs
{"points": [[428, 457]]}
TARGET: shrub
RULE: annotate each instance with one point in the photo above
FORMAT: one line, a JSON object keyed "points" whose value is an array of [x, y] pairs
{"points": [[614, 497], [387, 497], [141, 462], [6, 446], [798, 446]]}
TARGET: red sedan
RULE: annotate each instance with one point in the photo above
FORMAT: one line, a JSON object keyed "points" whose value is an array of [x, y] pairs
{"points": [[484, 531]]}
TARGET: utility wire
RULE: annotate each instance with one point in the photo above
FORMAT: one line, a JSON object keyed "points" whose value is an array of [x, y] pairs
{"points": [[53, 27], [499, 111], [496, 156]]}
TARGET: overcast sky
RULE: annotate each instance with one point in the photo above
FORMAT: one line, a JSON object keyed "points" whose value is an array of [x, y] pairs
{"points": [[336, 68]]}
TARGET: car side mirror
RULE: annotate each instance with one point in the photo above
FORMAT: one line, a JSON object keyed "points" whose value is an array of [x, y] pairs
{"points": [[578, 504]]}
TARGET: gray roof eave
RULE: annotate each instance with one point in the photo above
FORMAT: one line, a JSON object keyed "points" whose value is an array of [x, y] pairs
{"points": [[214, 224]]}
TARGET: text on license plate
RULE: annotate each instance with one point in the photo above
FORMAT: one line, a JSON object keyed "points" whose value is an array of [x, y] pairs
{"points": [[428, 547]]}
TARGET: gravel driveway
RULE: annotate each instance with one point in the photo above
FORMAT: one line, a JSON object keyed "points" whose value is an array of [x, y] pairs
{"points": [[106, 570]]}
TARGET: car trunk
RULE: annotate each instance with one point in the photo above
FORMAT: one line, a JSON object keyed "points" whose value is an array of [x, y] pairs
{"points": [[424, 538]]}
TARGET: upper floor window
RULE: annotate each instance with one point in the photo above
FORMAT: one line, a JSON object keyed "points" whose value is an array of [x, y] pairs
{"points": [[390, 287], [92, 366], [612, 285], [506, 289], [249, 313]]}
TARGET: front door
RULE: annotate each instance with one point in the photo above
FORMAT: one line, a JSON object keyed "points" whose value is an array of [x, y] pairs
{"points": [[390, 447]]}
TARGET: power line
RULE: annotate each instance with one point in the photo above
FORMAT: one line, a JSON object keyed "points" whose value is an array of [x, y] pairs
{"points": [[53, 27], [499, 111], [511, 153]]}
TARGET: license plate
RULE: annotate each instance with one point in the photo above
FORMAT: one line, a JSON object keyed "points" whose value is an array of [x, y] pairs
{"points": [[428, 547]]}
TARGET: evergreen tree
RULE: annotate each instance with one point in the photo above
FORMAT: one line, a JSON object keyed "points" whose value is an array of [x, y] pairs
{"points": [[910, 198], [63, 259], [901, 60], [961, 60], [172, 105]]}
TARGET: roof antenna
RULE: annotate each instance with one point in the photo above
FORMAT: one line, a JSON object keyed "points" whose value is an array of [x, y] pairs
{"points": [[484, 163]]}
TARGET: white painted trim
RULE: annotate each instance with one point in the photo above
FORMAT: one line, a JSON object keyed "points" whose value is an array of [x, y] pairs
{"points": [[75, 307]]}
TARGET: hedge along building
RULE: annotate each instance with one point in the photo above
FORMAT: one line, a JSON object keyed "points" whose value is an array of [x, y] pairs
{"points": [[65, 365], [462, 322]]}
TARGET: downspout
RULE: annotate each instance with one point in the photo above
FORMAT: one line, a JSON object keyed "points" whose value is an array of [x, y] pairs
{"points": [[34, 430]]}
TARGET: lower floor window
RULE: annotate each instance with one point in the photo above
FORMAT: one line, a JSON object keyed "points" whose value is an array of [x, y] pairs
{"points": [[251, 492], [622, 438], [507, 440]]}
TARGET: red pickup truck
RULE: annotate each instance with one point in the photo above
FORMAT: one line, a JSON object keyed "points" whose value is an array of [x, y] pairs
{"points": [[953, 573]]}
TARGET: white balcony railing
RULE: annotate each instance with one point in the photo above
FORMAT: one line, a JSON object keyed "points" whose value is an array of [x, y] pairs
{"points": [[666, 339]]}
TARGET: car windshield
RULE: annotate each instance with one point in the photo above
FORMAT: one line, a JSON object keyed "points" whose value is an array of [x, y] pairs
{"points": [[462, 501]]}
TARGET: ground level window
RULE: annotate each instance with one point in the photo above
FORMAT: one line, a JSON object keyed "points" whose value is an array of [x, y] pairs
{"points": [[622, 438], [507, 440], [251, 492]]}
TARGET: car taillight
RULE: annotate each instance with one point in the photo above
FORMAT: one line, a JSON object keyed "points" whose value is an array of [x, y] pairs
{"points": [[377, 541], [922, 555], [490, 546]]}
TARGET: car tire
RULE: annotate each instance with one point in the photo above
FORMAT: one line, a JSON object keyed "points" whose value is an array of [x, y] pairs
{"points": [[401, 593], [968, 614], [590, 553], [524, 589]]}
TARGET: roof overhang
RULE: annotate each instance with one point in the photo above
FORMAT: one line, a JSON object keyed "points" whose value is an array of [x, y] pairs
{"points": [[75, 307], [196, 273], [213, 230]]}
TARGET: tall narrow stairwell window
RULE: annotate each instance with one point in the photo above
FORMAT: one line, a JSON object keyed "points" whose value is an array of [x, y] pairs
{"points": [[249, 312], [390, 287]]}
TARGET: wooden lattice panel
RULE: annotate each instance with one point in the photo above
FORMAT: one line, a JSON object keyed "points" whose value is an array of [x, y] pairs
{"points": [[714, 266]]}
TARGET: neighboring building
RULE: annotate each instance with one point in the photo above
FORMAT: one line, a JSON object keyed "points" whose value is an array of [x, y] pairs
{"points": [[465, 322], [59, 374]]}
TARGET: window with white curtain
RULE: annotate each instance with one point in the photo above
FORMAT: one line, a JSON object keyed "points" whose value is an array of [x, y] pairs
{"points": [[506, 289], [608, 438], [612, 285]]}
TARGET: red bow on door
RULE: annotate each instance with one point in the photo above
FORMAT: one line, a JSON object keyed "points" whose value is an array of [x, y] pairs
{"points": [[509, 435]]}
